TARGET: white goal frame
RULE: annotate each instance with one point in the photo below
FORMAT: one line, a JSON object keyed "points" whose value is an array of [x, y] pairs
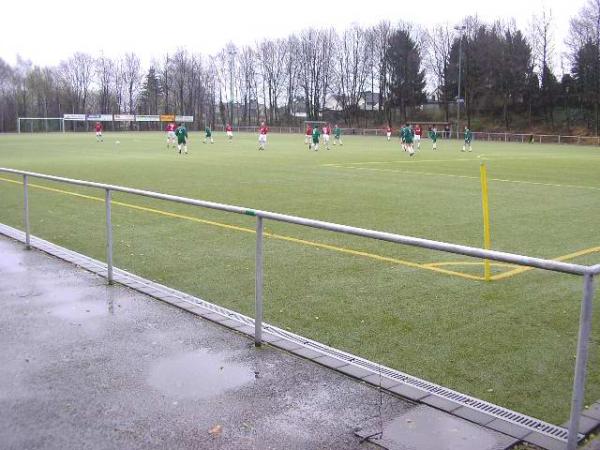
{"points": [[61, 122]]}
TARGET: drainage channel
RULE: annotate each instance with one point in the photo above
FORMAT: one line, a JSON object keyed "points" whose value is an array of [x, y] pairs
{"points": [[170, 295]]}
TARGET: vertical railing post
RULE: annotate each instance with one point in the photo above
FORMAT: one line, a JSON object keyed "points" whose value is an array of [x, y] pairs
{"points": [[109, 238], [585, 326], [258, 286], [26, 213]]}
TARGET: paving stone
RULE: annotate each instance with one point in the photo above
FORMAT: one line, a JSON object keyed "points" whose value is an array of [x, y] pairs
{"points": [[330, 362], [426, 428], [230, 323], [307, 353], [440, 403], [545, 441], [286, 345], [593, 411], [246, 329], [354, 371], [473, 415], [377, 380], [586, 424], [508, 428], [410, 392], [270, 338], [214, 317]]}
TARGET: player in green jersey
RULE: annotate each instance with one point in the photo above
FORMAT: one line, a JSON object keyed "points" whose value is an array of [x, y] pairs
{"points": [[402, 138], [433, 135], [182, 136], [316, 134], [337, 135], [468, 139], [208, 135], [409, 136]]}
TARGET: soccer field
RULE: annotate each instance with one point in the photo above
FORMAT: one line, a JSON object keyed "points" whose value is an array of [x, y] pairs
{"points": [[510, 341]]}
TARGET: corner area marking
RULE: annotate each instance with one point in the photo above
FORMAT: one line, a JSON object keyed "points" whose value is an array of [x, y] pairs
{"points": [[434, 267], [252, 231]]}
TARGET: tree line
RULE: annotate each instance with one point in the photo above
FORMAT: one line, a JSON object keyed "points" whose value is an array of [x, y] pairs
{"points": [[361, 76]]}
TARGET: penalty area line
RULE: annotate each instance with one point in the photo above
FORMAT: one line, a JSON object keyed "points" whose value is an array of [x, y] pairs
{"points": [[280, 237]]}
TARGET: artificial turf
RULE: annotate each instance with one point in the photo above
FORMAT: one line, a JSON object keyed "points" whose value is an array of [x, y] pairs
{"points": [[510, 341]]}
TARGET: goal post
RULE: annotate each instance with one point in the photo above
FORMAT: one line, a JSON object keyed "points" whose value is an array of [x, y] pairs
{"points": [[40, 124]]}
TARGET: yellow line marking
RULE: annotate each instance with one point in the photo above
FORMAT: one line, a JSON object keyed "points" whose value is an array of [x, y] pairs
{"points": [[501, 180], [468, 263], [512, 273], [250, 230], [427, 266]]}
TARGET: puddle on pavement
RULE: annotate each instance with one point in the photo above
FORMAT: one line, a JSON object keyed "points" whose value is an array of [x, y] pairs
{"points": [[199, 374]]}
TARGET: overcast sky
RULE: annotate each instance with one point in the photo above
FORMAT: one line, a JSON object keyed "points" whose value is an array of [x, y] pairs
{"points": [[51, 30]]}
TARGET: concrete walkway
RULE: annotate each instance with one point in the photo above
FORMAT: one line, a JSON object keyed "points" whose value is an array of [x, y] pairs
{"points": [[84, 365]]}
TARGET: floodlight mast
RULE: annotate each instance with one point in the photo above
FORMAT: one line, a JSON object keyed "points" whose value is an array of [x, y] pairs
{"points": [[460, 30]]}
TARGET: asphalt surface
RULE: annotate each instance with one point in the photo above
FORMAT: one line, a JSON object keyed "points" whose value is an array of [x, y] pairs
{"points": [[86, 365]]}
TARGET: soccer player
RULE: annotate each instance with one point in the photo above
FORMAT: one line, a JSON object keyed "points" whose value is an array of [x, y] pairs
{"points": [[308, 135], [208, 135], [337, 135], [403, 132], [468, 139], [315, 138], [229, 131], [98, 128], [388, 132], [262, 136], [418, 133], [409, 136], [326, 133], [433, 135], [182, 136], [171, 134]]}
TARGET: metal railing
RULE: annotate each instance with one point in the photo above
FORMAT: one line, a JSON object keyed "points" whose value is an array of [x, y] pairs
{"points": [[588, 272]]}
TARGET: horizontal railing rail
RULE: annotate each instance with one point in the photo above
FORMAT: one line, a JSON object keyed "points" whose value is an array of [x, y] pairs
{"points": [[587, 272], [475, 252]]}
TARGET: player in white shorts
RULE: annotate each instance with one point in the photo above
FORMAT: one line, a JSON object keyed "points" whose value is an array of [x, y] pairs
{"points": [[418, 131], [262, 137], [326, 133], [171, 127]]}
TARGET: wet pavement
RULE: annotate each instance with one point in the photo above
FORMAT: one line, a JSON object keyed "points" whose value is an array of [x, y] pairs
{"points": [[85, 365]]}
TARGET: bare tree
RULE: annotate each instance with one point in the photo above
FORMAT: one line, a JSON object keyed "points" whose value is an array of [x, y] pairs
{"points": [[132, 76], [352, 70], [437, 62], [105, 68]]}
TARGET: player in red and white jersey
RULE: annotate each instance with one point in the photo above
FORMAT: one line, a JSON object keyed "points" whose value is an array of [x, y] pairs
{"points": [[388, 132], [171, 127], [418, 131], [229, 131], [262, 136], [99, 129], [326, 134], [308, 135]]}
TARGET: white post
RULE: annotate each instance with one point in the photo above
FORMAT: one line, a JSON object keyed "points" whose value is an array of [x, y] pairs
{"points": [[26, 213], [109, 238], [258, 283], [585, 326]]}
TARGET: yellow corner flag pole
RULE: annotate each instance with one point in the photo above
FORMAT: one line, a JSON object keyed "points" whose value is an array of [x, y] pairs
{"points": [[487, 244]]}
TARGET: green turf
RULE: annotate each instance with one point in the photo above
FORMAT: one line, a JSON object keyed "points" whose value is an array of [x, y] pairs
{"points": [[511, 342]]}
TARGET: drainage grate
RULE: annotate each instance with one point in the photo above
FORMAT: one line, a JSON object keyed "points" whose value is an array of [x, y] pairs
{"points": [[141, 284]]}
